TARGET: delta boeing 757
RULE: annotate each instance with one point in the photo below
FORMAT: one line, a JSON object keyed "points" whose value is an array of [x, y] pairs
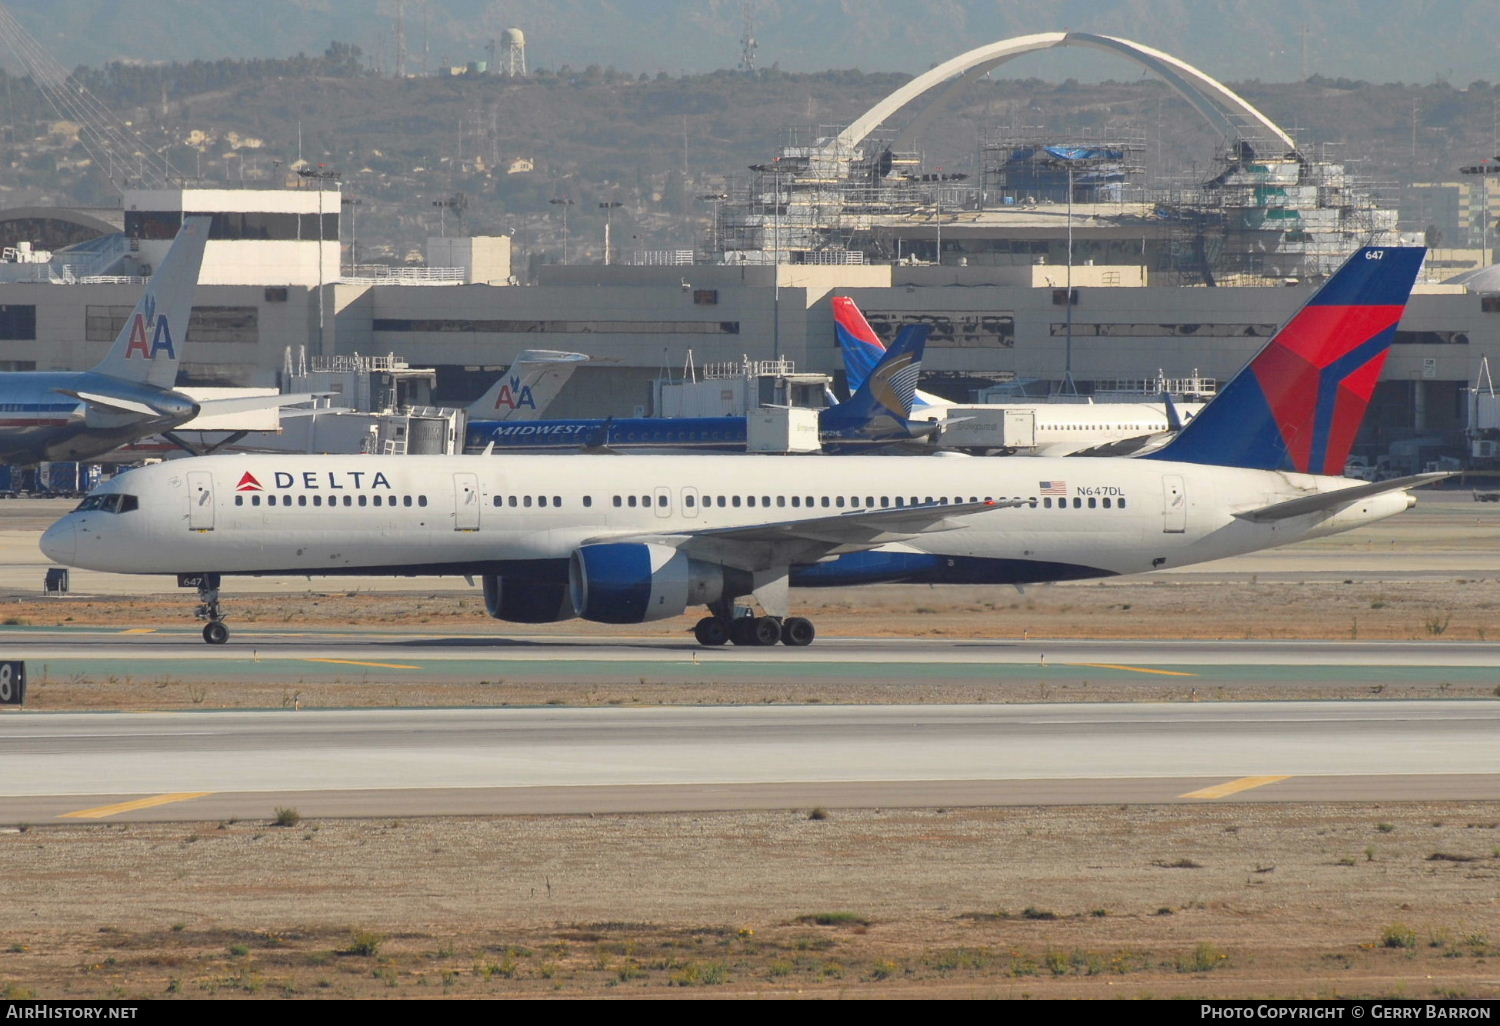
{"points": [[628, 539]]}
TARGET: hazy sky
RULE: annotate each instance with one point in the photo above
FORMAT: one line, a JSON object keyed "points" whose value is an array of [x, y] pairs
{"points": [[1271, 40]]}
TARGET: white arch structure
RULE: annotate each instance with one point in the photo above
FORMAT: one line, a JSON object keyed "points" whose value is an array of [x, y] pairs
{"points": [[1212, 99]]}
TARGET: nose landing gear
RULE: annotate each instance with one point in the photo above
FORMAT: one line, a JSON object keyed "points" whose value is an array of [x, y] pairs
{"points": [[214, 631]]}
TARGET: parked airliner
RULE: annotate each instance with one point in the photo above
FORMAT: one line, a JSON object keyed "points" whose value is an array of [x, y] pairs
{"points": [[877, 415], [75, 415], [1042, 428], [633, 539]]}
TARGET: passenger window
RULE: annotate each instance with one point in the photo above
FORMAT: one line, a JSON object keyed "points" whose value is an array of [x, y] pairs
{"points": [[839, 502], [749, 500], [255, 500], [661, 500], [588, 500], [632, 502], [557, 501], [796, 501], [826, 503], [736, 501], [765, 500], [1122, 502], [362, 500], [302, 500], [780, 501], [406, 500], [617, 502], [270, 500], [498, 502], [1077, 503], [721, 502], [1093, 503], [689, 501], [421, 500], [526, 501], [1106, 504], [239, 500]]}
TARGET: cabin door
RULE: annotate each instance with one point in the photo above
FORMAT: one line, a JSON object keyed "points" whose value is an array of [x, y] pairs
{"points": [[466, 502], [200, 500], [1174, 504]]}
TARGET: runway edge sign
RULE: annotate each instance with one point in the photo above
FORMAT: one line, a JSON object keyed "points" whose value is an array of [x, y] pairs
{"points": [[12, 682]]}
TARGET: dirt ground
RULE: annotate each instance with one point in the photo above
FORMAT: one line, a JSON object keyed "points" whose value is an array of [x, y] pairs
{"points": [[1315, 901]]}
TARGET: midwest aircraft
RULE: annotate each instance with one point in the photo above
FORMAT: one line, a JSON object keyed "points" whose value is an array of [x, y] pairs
{"points": [[1032, 428], [877, 415], [76, 415], [634, 539]]}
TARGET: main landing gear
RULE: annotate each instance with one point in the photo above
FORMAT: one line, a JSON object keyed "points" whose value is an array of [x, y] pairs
{"points": [[754, 630], [214, 631]]}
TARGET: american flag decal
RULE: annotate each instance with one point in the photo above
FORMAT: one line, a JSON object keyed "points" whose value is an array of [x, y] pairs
{"points": [[1053, 487]]}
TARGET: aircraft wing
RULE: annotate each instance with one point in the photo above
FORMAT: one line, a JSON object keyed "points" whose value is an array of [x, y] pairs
{"points": [[784, 542], [1330, 500]]}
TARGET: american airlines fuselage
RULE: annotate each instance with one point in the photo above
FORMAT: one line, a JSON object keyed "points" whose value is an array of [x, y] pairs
{"points": [[527, 515]]}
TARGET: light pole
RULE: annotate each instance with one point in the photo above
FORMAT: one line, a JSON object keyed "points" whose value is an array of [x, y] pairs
{"points": [[1483, 169], [775, 171], [713, 229], [609, 216], [565, 204], [353, 205]]}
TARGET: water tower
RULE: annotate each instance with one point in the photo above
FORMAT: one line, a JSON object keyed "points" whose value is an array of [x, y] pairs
{"points": [[513, 53]]}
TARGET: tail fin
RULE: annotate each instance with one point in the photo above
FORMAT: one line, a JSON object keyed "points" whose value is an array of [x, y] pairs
{"points": [[527, 387], [148, 346], [857, 340], [889, 390], [1298, 404]]}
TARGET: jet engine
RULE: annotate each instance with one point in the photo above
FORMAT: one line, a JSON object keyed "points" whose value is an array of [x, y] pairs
{"points": [[525, 601], [633, 582]]}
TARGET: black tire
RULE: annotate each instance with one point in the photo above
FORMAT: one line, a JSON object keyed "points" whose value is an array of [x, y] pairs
{"points": [[765, 630], [711, 631], [215, 633], [740, 630], [797, 632]]}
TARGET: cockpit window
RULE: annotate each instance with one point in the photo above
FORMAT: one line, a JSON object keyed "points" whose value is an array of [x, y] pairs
{"points": [[109, 502]]}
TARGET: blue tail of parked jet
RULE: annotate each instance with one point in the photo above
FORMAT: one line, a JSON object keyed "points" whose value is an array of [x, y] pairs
{"points": [[1299, 403], [885, 398], [861, 348], [148, 346]]}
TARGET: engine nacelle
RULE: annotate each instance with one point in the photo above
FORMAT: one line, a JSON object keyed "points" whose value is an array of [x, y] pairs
{"points": [[633, 582], [523, 601]]}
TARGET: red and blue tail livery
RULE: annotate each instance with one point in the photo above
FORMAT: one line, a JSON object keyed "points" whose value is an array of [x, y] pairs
{"points": [[1299, 403], [861, 347]]}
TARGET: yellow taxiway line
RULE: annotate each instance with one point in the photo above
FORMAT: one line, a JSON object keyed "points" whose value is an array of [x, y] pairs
{"points": [[1135, 669], [357, 662], [1233, 787], [139, 803]]}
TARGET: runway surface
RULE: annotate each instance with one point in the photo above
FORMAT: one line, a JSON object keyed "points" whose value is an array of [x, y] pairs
{"points": [[58, 655], [421, 762]]}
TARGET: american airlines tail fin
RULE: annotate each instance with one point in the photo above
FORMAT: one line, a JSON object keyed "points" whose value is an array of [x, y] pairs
{"points": [[150, 343], [1298, 404], [890, 388], [527, 387]]}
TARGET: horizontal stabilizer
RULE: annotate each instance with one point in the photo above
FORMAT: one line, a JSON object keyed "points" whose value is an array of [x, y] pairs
{"points": [[118, 403], [1321, 501]]}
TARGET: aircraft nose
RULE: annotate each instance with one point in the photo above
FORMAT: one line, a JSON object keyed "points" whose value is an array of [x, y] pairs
{"points": [[60, 541]]}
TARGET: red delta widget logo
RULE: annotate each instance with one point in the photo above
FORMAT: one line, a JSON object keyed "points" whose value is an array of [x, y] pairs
{"points": [[515, 396], [144, 324]]}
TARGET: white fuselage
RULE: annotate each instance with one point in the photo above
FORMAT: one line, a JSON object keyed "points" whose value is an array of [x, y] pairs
{"points": [[477, 514]]}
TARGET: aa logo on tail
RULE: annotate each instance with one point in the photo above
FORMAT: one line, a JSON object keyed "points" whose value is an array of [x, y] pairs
{"points": [[145, 325], [515, 396]]}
